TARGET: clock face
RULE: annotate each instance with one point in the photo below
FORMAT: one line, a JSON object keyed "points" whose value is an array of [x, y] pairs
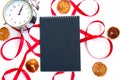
{"points": [[17, 13]]}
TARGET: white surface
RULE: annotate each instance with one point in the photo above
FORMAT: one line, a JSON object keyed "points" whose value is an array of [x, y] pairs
{"points": [[109, 13]]}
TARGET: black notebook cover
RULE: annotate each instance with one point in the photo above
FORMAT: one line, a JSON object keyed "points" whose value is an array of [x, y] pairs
{"points": [[60, 43]]}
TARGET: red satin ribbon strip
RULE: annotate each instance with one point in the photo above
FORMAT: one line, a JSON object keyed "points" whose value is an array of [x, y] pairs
{"points": [[77, 9], [16, 69], [89, 36], [58, 73], [52, 11], [72, 76], [34, 39], [19, 48], [30, 49]]}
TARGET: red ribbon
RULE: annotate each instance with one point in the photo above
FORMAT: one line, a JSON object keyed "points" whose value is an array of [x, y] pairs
{"points": [[30, 49], [58, 73], [52, 11], [89, 36], [77, 9]]}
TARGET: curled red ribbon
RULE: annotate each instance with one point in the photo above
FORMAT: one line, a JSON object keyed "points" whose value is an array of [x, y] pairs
{"points": [[89, 36], [77, 9], [58, 73], [30, 49]]}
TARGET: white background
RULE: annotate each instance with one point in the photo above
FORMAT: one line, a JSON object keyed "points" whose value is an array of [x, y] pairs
{"points": [[109, 13]]}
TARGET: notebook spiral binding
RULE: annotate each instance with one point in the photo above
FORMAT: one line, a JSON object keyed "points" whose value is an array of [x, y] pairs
{"points": [[49, 17], [59, 17]]}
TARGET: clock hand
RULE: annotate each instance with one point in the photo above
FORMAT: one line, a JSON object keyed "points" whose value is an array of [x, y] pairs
{"points": [[20, 10]]}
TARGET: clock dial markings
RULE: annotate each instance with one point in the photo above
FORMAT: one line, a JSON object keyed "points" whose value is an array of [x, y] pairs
{"points": [[11, 18], [14, 22], [17, 13], [11, 9], [14, 6], [24, 21], [20, 22]]}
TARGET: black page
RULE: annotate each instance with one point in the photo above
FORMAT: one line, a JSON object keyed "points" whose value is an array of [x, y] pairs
{"points": [[60, 43]]}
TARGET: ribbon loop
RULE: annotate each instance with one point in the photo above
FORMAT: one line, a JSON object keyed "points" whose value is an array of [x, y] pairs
{"points": [[37, 42], [18, 51], [58, 73], [15, 69], [77, 9], [89, 36], [30, 49]]}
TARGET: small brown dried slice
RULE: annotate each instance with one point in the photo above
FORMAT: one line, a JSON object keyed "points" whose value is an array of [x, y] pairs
{"points": [[32, 65], [4, 33], [99, 69], [63, 6], [113, 32]]}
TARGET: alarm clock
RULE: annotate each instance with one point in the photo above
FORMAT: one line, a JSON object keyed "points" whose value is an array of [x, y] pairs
{"points": [[17, 13]]}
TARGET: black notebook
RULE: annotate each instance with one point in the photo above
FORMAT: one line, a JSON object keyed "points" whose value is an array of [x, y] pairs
{"points": [[60, 43]]}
